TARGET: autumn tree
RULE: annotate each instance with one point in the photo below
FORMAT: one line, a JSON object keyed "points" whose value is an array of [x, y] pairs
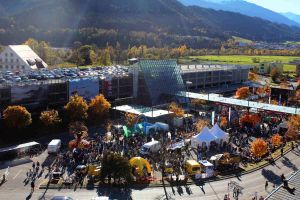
{"points": [[259, 147], [224, 122], [276, 140], [294, 121], [76, 109], [251, 120], [274, 74], [130, 118], [17, 117], [176, 110], [252, 76], [78, 129], [291, 133], [98, 108], [242, 93], [50, 117], [200, 124]]}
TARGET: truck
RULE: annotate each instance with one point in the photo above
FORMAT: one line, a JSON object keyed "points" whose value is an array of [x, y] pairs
{"points": [[54, 146], [150, 147]]}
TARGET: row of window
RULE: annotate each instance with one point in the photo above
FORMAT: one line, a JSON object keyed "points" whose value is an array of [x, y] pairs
{"points": [[11, 54], [12, 67], [11, 60]]}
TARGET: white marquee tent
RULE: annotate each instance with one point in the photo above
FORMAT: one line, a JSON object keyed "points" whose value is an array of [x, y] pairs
{"points": [[204, 136], [219, 133]]}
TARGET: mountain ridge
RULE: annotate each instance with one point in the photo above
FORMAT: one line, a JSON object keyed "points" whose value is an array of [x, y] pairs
{"points": [[132, 22]]}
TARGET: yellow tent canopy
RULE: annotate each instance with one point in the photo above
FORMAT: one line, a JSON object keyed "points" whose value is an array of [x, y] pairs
{"points": [[140, 164]]}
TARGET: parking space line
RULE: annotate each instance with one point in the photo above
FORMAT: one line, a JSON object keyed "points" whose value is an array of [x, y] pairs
{"points": [[17, 174]]}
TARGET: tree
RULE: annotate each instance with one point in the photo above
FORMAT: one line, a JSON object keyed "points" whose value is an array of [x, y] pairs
{"points": [[17, 117], [117, 167], [78, 129], [224, 122], [259, 147], [274, 73], [200, 124], [252, 76], [251, 120], [76, 109], [86, 54], [294, 121], [291, 133], [130, 119], [276, 140], [98, 108], [176, 110], [50, 117], [242, 93]]}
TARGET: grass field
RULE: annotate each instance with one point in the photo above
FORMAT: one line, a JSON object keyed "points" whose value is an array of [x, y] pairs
{"points": [[244, 60]]}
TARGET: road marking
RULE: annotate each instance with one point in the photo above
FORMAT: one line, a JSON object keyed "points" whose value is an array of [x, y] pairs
{"points": [[17, 174]]}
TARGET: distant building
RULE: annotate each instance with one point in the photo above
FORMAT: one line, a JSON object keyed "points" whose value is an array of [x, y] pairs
{"points": [[266, 67], [20, 58]]}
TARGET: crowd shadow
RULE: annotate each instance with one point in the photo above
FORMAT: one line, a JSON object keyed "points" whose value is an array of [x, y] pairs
{"points": [[270, 176], [286, 162], [122, 193]]}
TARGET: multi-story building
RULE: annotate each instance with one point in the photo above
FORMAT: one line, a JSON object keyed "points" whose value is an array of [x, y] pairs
{"points": [[201, 77], [20, 58]]}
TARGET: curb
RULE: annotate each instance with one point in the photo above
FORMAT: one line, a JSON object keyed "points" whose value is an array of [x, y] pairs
{"points": [[167, 183]]}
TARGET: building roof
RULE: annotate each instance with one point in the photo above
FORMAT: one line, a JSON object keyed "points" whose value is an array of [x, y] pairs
{"points": [[27, 55], [141, 110], [210, 67], [282, 193]]}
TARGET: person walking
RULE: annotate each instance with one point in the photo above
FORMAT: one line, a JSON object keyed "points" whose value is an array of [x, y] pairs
{"points": [[266, 185], [32, 186]]}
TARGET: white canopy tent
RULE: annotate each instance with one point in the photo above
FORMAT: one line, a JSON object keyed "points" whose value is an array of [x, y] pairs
{"points": [[204, 136], [219, 134]]}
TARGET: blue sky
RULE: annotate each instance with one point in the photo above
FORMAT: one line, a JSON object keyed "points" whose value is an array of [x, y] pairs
{"points": [[279, 5]]}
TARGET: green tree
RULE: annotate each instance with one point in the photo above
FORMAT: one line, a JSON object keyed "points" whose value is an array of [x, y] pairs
{"points": [[76, 109], [17, 117], [117, 167]]}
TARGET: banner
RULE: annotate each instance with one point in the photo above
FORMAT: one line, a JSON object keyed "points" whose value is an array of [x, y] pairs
{"points": [[88, 88], [28, 93]]}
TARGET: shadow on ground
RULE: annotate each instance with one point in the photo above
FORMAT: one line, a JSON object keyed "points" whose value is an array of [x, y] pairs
{"points": [[289, 164], [120, 193], [271, 176]]}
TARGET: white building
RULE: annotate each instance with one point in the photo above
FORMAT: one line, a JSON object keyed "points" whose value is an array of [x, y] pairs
{"points": [[20, 58]]}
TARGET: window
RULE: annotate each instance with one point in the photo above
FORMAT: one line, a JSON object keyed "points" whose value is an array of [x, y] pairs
{"points": [[18, 67], [6, 60], [17, 60], [1, 66], [0, 59], [12, 67], [23, 67], [12, 60], [6, 66], [5, 54], [11, 54]]}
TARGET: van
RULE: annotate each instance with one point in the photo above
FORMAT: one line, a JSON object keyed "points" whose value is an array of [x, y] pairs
{"points": [[54, 146], [192, 167], [150, 147]]}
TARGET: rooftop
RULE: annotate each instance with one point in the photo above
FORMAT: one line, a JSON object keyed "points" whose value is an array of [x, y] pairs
{"points": [[210, 67], [138, 110]]}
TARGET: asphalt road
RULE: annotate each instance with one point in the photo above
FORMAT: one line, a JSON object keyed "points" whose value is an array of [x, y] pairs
{"points": [[15, 189]]}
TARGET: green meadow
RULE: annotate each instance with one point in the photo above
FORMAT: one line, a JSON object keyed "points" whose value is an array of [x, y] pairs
{"points": [[243, 60]]}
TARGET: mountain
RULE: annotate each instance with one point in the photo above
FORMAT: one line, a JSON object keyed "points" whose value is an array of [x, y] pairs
{"points": [[130, 22], [292, 16], [243, 7]]}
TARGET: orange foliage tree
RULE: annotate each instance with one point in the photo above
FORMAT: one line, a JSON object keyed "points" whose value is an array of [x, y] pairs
{"points": [[291, 133], [252, 119], [259, 147], [130, 118], [276, 140], [50, 117], [76, 109], [200, 124], [176, 110], [98, 108], [252, 76], [224, 122], [242, 93], [294, 121], [17, 117]]}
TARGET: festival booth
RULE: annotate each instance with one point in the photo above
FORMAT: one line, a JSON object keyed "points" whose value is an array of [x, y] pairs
{"points": [[204, 138], [225, 161], [220, 135], [207, 169], [145, 128], [141, 166]]}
